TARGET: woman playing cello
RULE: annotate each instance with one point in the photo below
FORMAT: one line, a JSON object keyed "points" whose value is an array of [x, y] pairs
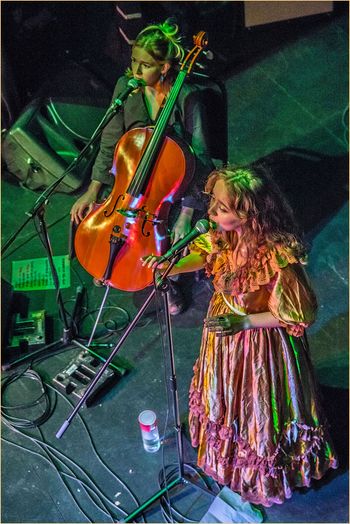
{"points": [[156, 54]]}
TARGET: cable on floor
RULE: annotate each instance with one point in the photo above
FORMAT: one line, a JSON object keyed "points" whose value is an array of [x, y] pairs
{"points": [[12, 424], [42, 398], [50, 462], [109, 328], [88, 490], [57, 454], [100, 460], [165, 478]]}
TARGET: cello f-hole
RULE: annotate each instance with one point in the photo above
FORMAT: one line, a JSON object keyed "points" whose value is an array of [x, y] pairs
{"points": [[106, 214], [147, 233]]}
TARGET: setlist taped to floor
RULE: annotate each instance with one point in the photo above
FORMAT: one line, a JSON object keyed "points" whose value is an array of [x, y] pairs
{"points": [[35, 274]]}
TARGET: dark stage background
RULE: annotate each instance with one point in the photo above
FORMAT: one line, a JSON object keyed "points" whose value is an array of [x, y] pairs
{"points": [[287, 102]]}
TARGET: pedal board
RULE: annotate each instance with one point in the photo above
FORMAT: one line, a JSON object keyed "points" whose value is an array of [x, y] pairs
{"points": [[77, 376]]}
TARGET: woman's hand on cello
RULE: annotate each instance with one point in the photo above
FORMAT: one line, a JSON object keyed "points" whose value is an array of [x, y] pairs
{"points": [[225, 325], [85, 203], [82, 207]]}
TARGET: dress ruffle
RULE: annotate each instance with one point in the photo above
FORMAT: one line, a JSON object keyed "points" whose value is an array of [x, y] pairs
{"points": [[229, 279], [266, 262], [288, 464]]}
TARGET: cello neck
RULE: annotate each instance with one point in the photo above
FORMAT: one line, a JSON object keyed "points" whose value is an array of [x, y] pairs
{"points": [[152, 148]]}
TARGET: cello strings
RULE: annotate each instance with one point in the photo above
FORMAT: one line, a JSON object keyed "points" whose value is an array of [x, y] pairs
{"points": [[148, 157]]}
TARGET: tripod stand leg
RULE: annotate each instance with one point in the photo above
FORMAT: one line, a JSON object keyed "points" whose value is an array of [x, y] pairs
{"points": [[150, 501], [31, 355]]}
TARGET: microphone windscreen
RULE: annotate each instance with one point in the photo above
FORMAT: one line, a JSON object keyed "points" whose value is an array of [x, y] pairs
{"points": [[134, 83], [202, 226]]}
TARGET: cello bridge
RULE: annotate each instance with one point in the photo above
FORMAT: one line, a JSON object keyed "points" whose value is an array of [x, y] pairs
{"points": [[142, 214]]}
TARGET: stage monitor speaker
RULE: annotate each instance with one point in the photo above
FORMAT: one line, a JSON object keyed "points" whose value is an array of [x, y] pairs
{"points": [[260, 12], [47, 137]]}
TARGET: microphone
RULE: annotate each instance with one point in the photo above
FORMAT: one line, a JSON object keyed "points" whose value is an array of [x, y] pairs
{"points": [[202, 226], [131, 85]]}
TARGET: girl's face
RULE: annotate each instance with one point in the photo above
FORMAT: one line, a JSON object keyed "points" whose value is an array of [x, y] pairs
{"points": [[145, 67], [220, 210]]}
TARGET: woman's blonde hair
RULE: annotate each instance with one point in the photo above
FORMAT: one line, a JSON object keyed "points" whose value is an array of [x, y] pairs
{"points": [[162, 42]]}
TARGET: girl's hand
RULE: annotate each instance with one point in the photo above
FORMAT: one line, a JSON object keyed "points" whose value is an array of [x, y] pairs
{"points": [[183, 225], [151, 262], [227, 324]]}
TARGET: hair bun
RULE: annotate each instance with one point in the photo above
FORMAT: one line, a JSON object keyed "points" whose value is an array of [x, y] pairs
{"points": [[162, 41], [169, 29]]}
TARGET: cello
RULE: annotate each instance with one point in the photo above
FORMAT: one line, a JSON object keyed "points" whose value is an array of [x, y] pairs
{"points": [[151, 171]]}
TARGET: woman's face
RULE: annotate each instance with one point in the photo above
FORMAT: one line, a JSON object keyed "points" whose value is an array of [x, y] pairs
{"points": [[145, 67], [220, 210]]}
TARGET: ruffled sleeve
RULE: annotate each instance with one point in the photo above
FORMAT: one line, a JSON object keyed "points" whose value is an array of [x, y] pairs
{"points": [[292, 299], [214, 249], [201, 245], [259, 271]]}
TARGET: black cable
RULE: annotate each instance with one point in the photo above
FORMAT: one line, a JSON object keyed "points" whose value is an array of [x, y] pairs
{"points": [[84, 485], [53, 352], [43, 397], [51, 463], [47, 448], [21, 447], [110, 331], [171, 475]]}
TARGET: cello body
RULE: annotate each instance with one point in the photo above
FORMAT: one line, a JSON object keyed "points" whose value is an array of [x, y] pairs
{"points": [[134, 224]]}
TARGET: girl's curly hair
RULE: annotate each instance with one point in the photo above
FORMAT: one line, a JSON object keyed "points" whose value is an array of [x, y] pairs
{"points": [[255, 196]]}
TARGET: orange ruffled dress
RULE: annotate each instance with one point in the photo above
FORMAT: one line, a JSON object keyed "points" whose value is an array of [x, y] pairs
{"points": [[254, 409]]}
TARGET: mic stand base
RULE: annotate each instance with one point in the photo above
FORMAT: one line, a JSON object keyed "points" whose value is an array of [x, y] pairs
{"points": [[183, 482], [68, 328]]}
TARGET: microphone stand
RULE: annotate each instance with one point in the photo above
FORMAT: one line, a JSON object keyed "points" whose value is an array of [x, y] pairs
{"points": [[182, 478], [38, 211]]}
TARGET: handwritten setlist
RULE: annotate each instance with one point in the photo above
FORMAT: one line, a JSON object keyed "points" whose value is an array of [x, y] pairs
{"points": [[35, 274]]}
